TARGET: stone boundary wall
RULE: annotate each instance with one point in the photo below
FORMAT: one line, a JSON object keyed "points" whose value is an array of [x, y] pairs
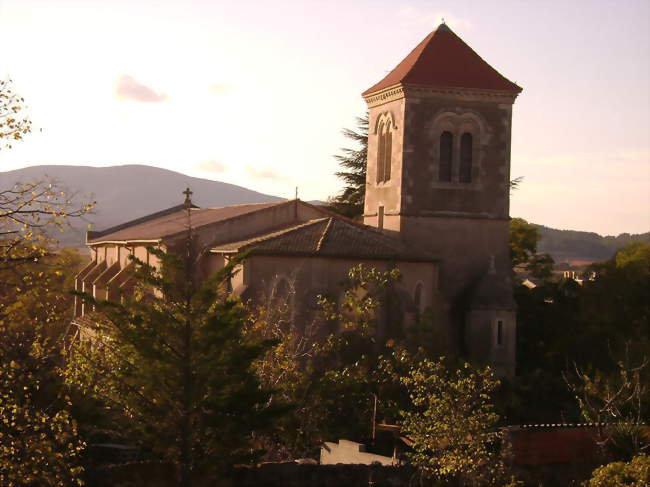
{"points": [[287, 474]]}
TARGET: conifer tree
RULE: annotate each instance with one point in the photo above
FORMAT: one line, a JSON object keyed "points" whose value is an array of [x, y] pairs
{"points": [[353, 162], [172, 358]]}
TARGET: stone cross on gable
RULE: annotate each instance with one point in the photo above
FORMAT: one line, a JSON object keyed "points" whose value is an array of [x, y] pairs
{"points": [[188, 194]]}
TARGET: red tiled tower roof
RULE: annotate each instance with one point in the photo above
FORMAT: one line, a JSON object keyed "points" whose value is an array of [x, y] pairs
{"points": [[443, 59]]}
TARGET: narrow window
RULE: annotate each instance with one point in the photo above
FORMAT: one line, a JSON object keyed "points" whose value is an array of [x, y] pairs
{"points": [[466, 158], [381, 149], [499, 332], [388, 149], [380, 218], [444, 170]]}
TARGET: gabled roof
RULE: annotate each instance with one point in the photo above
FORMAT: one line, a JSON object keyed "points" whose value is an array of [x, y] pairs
{"points": [[442, 59], [172, 221], [328, 237]]}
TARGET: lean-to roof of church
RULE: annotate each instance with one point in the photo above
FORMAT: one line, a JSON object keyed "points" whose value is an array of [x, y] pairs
{"points": [[443, 59], [328, 237], [173, 221]]}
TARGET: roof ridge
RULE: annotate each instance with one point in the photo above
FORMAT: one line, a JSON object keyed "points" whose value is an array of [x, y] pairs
{"points": [[272, 204], [324, 235], [242, 204], [281, 233]]}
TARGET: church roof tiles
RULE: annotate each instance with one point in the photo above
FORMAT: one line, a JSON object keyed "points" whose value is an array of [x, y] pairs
{"points": [[442, 59], [328, 237], [172, 221]]}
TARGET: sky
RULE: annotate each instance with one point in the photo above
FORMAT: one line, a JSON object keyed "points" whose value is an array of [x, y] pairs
{"points": [[255, 93]]}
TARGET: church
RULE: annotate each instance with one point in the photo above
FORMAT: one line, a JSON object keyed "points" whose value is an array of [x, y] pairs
{"points": [[436, 207]]}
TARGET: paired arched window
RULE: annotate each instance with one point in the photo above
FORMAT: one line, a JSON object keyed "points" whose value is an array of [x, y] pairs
{"points": [[384, 151], [446, 158]]}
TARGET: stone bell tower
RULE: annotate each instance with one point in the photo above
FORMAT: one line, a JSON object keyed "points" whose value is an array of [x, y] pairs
{"points": [[438, 177]]}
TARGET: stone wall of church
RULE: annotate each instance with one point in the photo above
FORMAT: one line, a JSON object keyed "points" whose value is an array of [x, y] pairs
{"points": [[487, 194], [388, 194], [268, 278]]}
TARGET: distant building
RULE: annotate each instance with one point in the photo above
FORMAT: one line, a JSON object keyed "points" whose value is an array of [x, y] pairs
{"points": [[436, 207]]}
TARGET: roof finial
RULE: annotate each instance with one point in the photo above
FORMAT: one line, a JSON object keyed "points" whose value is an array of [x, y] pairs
{"points": [[188, 193], [443, 20]]}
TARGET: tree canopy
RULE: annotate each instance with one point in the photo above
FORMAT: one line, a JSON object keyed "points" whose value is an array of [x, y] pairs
{"points": [[173, 357]]}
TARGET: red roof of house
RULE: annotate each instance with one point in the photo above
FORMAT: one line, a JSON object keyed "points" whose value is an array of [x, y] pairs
{"points": [[443, 59]]}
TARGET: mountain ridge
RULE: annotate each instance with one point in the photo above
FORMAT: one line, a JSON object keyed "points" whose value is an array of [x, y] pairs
{"points": [[129, 191]]}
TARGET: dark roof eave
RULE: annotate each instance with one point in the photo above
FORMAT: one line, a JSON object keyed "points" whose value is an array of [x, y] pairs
{"points": [[405, 84]]}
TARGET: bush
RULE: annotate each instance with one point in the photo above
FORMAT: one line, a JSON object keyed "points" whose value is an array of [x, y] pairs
{"points": [[635, 473]]}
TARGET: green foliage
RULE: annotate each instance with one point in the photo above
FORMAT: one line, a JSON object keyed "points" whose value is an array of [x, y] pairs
{"points": [[585, 246], [452, 423], [524, 238], [560, 323], [615, 306], [620, 400], [350, 201], [332, 367], [38, 445], [37, 291], [13, 121], [39, 441], [635, 473], [171, 357]]}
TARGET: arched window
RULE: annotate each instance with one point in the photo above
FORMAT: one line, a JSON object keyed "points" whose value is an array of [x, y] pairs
{"points": [[388, 150], [380, 152], [446, 145], [466, 158], [384, 150]]}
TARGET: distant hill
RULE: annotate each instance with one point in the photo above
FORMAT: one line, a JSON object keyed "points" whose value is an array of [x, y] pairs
{"points": [[130, 191], [572, 245], [126, 192]]}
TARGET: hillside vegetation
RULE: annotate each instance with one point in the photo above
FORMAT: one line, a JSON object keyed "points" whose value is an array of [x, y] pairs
{"points": [[573, 245]]}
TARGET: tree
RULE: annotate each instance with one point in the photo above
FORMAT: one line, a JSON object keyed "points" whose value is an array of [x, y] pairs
{"points": [[325, 368], [635, 473], [617, 403], [331, 367], [14, 123], [173, 358], [452, 423], [350, 201], [39, 439], [29, 212], [39, 446], [524, 238]]}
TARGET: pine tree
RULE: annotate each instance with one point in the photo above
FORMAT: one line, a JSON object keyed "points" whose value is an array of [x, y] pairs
{"points": [[353, 162], [172, 357]]}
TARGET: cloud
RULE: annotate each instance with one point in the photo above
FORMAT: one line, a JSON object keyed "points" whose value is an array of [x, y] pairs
{"points": [[128, 88], [220, 88], [211, 165], [264, 174]]}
